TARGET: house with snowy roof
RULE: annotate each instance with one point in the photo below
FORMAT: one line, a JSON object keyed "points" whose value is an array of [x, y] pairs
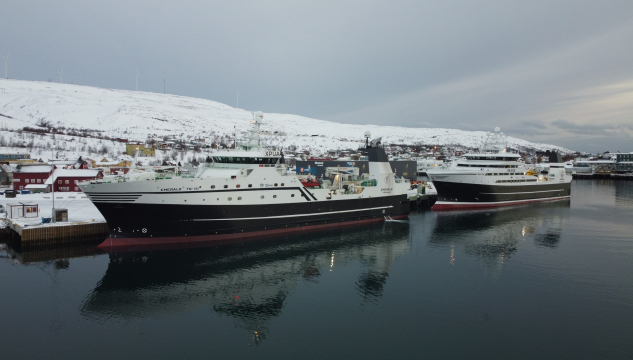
{"points": [[69, 164], [65, 180], [25, 175], [143, 149]]}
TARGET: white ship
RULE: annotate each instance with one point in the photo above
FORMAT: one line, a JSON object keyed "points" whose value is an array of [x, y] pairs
{"points": [[495, 177], [242, 193]]}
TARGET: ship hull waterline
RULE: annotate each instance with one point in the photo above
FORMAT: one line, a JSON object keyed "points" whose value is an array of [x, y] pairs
{"points": [[447, 206]]}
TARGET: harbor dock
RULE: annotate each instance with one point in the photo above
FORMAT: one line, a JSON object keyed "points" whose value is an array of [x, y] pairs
{"points": [[58, 233], [602, 175], [83, 223]]}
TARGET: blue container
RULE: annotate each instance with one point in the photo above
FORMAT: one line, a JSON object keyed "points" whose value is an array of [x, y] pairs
{"points": [[25, 192], [46, 220]]}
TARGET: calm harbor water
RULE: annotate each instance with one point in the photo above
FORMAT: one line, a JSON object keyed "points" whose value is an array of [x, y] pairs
{"points": [[543, 281]]}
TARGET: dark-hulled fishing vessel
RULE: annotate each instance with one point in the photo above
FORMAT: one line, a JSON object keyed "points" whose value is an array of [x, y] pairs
{"points": [[242, 193], [496, 177]]}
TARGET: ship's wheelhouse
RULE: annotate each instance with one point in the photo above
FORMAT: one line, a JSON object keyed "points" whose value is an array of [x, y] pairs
{"points": [[245, 160], [493, 157]]}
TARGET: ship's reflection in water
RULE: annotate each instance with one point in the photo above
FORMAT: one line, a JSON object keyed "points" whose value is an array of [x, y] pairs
{"points": [[249, 282], [493, 236], [528, 281], [623, 192]]}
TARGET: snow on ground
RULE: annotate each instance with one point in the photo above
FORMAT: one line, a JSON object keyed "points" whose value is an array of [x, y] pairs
{"points": [[80, 209], [136, 114]]}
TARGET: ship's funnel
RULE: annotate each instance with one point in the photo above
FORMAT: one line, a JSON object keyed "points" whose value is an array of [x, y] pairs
{"points": [[554, 157]]}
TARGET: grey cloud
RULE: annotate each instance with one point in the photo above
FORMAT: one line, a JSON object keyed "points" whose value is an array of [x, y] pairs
{"points": [[530, 129], [592, 129], [458, 64]]}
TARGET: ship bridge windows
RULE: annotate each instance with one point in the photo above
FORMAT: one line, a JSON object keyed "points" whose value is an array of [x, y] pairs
{"points": [[245, 160], [488, 166], [515, 181], [498, 158]]}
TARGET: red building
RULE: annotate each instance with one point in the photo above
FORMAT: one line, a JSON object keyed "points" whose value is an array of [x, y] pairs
{"points": [[65, 180], [31, 174]]}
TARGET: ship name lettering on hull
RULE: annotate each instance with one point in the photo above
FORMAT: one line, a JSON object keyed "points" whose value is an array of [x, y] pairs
{"points": [[181, 189]]}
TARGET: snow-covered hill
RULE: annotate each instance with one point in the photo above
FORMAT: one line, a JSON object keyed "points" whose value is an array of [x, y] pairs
{"points": [[135, 115]]}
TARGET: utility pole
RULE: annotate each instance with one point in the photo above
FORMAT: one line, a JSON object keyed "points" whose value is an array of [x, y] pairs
{"points": [[53, 188]]}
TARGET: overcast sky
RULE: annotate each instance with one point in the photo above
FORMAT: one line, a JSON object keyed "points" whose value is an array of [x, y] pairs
{"points": [[557, 72]]}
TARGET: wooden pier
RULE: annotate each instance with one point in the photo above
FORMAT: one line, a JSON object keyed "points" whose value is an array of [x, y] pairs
{"points": [[67, 233]]}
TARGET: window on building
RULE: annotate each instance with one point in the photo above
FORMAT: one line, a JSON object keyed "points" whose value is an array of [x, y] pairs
{"points": [[39, 181], [59, 181], [21, 187], [27, 181], [76, 181], [66, 181], [76, 188], [16, 180]]}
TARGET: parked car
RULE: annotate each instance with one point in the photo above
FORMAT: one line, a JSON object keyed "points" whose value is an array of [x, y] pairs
{"points": [[1, 208]]}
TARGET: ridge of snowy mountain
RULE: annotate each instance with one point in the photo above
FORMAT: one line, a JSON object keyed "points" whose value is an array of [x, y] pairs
{"points": [[135, 115]]}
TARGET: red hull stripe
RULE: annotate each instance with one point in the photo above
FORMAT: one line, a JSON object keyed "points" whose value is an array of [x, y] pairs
{"points": [[132, 244], [441, 205]]}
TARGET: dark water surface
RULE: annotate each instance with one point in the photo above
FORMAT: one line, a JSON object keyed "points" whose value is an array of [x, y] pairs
{"points": [[550, 281]]}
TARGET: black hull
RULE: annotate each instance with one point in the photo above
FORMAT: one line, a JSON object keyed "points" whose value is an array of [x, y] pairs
{"points": [[461, 195], [161, 224]]}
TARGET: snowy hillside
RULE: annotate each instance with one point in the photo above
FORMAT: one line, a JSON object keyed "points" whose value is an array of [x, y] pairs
{"points": [[134, 115]]}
